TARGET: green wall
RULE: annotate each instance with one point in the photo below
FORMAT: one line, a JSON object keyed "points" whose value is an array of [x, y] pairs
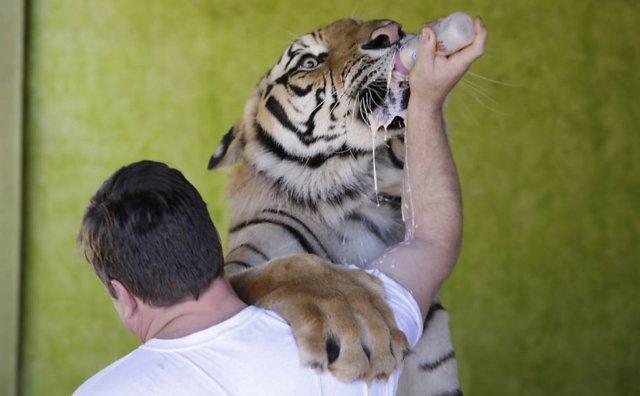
{"points": [[11, 99], [544, 298]]}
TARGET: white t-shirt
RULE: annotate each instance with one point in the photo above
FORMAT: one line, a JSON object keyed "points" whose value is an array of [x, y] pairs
{"points": [[252, 353]]}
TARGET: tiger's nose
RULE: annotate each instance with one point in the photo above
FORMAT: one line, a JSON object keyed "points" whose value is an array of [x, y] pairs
{"points": [[392, 32]]}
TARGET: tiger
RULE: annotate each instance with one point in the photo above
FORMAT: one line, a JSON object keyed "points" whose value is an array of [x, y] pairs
{"points": [[311, 176]]}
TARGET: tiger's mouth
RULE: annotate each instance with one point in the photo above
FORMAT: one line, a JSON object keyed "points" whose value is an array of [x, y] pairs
{"points": [[384, 97], [383, 101]]}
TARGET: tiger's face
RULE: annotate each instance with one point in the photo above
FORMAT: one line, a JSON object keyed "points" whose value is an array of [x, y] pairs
{"points": [[337, 74], [317, 101]]}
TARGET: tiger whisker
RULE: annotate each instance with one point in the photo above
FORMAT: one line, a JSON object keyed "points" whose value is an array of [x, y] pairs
{"points": [[479, 90], [482, 103], [469, 72], [294, 36]]}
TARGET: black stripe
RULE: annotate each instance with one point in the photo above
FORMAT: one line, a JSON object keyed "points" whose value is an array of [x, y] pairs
{"points": [[296, 90], [226, 142], [267, 91], [336, 199], [359, 72], [241, 263], [292, 54], [334, 97], [252, 248], [394, 201], [310, 123], [430, 366], [354, 216], [345, 71], [276, 109], [406, 94], [435, 307], [397, 162], [315, 161], [299, 91], [292, 231], [455, 392], [304, 226]]}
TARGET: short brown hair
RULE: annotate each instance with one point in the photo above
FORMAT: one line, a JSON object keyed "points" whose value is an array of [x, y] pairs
{"points": [[149, 228]]}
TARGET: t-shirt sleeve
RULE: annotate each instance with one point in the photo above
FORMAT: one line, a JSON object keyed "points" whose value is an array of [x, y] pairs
{"points": [[404, 306]]}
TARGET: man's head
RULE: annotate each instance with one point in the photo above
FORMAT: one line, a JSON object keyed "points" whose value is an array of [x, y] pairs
{"points": [[149, 237]]}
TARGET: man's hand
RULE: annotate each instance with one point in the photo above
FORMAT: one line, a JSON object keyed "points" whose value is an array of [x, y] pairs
{"points": [[339, 316], [433, 77]]}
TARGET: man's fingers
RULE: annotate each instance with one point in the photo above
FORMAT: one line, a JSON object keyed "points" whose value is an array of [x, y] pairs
{"points": [[427, 45], [476, 49]]}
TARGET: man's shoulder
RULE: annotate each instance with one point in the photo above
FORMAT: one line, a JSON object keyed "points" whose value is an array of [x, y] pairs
{"points": [[159, 365], [115, 376]]}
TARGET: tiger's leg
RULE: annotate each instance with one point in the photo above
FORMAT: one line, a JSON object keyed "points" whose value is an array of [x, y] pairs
{"points": [[431, 368], [318, 311]]}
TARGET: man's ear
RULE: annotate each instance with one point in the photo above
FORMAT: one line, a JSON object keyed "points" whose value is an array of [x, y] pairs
{"points": [[126, 303], [230, 148]]}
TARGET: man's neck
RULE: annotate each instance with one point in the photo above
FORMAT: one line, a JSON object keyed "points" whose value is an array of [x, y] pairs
{"points": [[215, 305]]}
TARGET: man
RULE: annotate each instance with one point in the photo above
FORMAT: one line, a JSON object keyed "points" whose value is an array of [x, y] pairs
{"points": [[150, 239]]}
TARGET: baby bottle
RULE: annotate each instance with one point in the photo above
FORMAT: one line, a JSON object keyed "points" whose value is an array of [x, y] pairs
{"points": [[452, 34]]}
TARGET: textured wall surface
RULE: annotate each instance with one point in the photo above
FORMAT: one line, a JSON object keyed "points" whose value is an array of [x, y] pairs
{"points": [[11, 99], [545, 296]]}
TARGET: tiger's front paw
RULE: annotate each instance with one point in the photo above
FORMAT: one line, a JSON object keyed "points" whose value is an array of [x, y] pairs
{"points": [[339, 317]]}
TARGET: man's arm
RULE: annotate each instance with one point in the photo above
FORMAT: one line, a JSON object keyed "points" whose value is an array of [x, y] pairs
{"points": [[431, 201]]}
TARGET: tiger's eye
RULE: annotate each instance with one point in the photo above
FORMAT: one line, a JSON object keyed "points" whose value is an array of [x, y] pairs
{"points": [[310, 63]]}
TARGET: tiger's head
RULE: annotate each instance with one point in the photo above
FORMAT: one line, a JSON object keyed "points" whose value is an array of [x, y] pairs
{"points": [[318, 97]]}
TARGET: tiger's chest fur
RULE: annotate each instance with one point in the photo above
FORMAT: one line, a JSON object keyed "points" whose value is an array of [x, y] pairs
{"points": [[331, 210]]}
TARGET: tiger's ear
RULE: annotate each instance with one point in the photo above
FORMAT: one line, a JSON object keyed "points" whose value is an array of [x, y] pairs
{"points": [[230, 148]]}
